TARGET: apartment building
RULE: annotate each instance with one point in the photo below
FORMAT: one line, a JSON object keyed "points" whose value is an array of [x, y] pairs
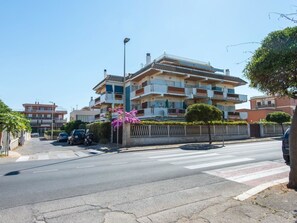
{"points": [[42, 116], [163, 89], [110, 95], [261, 106], [85, 114]]}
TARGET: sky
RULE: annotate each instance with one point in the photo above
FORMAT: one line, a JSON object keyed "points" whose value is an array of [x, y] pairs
{"points": [[57, 50]]}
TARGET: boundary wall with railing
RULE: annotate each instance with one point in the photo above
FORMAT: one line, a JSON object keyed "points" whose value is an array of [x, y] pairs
{"points": [[168, 134]]}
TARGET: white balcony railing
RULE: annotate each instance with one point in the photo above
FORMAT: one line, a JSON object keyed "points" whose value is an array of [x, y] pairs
{"points": [[107, 98]]}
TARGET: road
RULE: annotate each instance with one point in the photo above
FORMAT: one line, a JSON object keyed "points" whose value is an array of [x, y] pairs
{"points": [[118, 177]]}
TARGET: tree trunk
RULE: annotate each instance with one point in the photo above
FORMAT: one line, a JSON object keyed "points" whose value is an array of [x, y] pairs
{"points": [[209, 134], [282, 128], [293, 152], [1, 135]]}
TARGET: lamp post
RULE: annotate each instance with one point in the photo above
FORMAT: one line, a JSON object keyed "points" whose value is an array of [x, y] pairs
{"points": [[126, 40], [52, 132]]}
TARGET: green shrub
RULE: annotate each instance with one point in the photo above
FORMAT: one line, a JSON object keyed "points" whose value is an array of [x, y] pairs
{"points": [[101, 130], [55, 133]]}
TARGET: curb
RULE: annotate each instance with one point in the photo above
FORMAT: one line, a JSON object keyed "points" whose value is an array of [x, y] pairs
{"points": [[259, 188], [126, 150]]}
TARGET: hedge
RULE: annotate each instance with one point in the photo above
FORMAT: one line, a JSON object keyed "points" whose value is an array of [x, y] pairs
{"points": [[55, 132], [101, 131], [192, 123]]}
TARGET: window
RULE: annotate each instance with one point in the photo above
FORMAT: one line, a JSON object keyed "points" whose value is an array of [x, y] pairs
{"points": [[109, 88], [30, 115], [231, 91], [269, 102], [258, 103], [49, 116], [118, 89]]}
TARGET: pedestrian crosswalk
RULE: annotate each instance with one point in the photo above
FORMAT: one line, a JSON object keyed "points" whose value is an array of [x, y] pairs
{"points": [[233, 167], [69, 154]]}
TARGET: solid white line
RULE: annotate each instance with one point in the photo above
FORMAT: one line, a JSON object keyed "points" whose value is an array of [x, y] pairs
{"points": [[203, 159], [258, 189], [175, 155], [192, 167], [44, 171], [260, 174], [81, 167], [23, 158]]}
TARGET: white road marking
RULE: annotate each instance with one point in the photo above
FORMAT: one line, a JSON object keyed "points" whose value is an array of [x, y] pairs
{"points": [[192, 167], [258, 189], [189, 157], [81, 154], [203, 159], [119, 163], [259, 174], [176, 155], [23, 158]]}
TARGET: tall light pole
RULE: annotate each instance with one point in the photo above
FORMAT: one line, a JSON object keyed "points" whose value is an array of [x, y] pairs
{"points": [[52, 133], [126, 40]]}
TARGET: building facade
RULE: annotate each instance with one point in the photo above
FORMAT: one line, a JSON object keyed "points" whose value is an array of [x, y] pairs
{"points": [[163, 89], [42, 116], [84, 115], [261, 106]]}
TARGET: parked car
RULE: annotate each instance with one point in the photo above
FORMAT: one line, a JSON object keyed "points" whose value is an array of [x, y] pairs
{"points": [[62, 137], [35, 135], [77, 136], [285, 146]]}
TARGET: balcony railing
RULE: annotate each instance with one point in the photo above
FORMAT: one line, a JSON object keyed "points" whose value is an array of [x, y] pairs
{"points": [[265, 106], [107, 98], [157, 89]]}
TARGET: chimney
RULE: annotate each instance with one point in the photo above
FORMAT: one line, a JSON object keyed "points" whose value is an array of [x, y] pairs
{"points": [[105, 73], [227, 72], [148, 58]]}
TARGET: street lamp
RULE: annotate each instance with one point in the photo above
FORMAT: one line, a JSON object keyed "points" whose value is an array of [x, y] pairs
{"points": [[126, 40], [52, 133]]}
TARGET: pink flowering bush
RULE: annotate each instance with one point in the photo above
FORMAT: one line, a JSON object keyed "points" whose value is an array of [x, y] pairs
{"points": [[130, 117]]}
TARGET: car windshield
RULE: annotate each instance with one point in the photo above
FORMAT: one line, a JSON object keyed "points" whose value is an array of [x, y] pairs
{"points": [[63, 134]]}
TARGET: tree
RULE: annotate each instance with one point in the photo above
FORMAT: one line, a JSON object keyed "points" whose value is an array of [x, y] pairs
{"points": [[205, 113], [273, 70], [12, 122], [279, 118], [69, 126]]}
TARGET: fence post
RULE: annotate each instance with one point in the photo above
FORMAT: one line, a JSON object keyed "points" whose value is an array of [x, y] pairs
{"points": [[200, 130], [214, 130], [238, 130], [185, 129], [168, 130], [227, 130], [150, 131]]}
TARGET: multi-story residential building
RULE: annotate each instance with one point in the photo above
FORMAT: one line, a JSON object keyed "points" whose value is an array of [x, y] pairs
{"points": [[164, 88], [261, 106], [85, 114], [43, 115], [110, 94]]}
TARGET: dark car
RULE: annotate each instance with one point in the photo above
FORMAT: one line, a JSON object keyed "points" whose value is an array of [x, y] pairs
{"points": [[77, 136], [285, 146], [62, 137]]}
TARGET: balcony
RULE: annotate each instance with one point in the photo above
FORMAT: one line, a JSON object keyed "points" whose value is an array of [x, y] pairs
{"points": [[157, 90], [265, 106], [236, 97], [160, 112], [236, 115], [108, 98]]}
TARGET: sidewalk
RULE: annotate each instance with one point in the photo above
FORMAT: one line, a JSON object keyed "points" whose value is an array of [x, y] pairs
{"points": [[200, 145]]}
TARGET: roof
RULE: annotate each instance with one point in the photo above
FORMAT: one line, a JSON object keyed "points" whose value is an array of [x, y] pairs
{"points": [[174, 68], [110, 77]]}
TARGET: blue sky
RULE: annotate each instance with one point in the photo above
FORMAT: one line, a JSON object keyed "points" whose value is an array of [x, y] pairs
{"points": [[56, 50]]}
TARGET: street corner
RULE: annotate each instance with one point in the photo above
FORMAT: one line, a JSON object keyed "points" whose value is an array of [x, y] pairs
{"points": [[279, 198]]}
